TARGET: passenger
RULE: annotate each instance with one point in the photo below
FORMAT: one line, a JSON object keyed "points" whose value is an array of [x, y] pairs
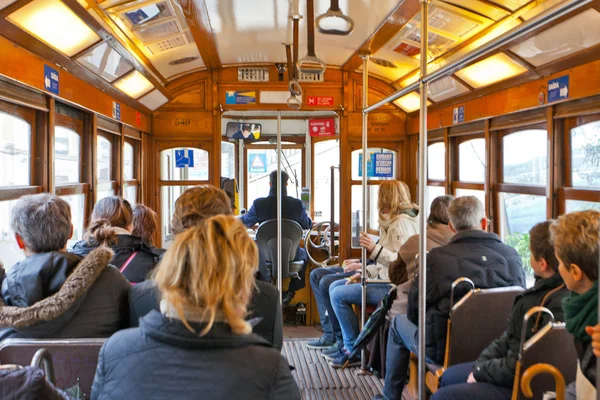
{"points": [[397, 223], [576, 239], [111, 225], [52, 293], [492, 375], [145, 225], [472, 253], [265, 208], [191, 209], [403, 270], [198, 345]]}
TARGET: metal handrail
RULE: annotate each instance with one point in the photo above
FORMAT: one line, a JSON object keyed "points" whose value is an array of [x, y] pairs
{"points": [[44, 356]]}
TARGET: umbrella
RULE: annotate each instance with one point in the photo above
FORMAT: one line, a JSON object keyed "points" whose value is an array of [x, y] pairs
{"points": [[373, 324]]}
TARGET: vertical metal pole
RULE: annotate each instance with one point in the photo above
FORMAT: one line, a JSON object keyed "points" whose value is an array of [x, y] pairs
{"points": [[279, 189], [332, 210], [423, 198], [241, 172], [365, 201]]}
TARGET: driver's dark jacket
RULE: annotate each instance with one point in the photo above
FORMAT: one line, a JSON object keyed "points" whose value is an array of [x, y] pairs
{"points": [[265, 208]]}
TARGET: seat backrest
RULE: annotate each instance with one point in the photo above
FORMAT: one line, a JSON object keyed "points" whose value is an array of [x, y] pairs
{"points": [[476, 320], [74, 360], [291, 234], [553, 345]]}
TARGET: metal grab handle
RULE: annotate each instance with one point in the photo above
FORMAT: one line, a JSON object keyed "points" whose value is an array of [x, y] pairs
{"points": [[294, 102], [293, 85], [529, 314], [455, 284], [537, 369], [311, 64], [295, 88], [335, 12], [43, 356]]}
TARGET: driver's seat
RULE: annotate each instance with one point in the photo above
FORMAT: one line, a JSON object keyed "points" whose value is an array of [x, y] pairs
{"points": [[291, 234]]}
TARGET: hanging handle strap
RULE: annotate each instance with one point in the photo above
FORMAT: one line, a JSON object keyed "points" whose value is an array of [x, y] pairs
{"points": [[126, 263], [335, 12], [311, 64]]}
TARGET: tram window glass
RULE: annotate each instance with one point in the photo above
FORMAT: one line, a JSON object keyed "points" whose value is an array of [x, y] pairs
{"points": [[578, 205], [168, 197], [432, 193], [11, 254], [471, 161], [258, 182], [518, 214], [436, 161], [67, 155], [356, 164], [480, 194], [227, 160], [326, 155], [372, 213], [128, 162], [15, 151], [525, 157], [77, 203], [585, 155], [195, 168], [130, 194], [103, 168]]}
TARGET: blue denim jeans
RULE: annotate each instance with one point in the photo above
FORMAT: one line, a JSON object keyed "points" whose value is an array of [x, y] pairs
{"points": [[403, 338], [454, 386], [342, 298], [320, 280]]}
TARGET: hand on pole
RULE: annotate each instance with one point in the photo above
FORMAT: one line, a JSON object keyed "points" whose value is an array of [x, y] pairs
{"points": [[367, 242]]}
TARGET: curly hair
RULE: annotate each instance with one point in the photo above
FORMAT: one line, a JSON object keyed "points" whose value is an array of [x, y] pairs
{"points": [[576, 240], [197, 204]]}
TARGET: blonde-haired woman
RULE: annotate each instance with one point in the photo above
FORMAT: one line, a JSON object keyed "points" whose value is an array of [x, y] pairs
{"points": [[397, 222], [199, 344]]}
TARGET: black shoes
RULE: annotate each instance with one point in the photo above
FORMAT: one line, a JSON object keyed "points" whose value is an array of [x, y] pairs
{"points": [[287, 297]]}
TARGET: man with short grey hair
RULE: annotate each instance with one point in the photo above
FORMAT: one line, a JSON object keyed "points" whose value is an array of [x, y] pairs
{"points": [[472, 253], [52, 293]]}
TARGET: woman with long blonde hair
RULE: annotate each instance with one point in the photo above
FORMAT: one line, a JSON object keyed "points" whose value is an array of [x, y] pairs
{"points": [[199, 344]]}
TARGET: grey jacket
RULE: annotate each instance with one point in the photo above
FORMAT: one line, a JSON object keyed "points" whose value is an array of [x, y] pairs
{"points": [[60, 295], [162, 359]]}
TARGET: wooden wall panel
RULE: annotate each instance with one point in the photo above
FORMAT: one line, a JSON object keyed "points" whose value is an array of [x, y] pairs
{"points": [[174, 124], [25, 67], [381, 126], [194, 98]]}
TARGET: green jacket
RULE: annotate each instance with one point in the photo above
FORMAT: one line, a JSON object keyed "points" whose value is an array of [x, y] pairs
{"points": [[496, 364]]}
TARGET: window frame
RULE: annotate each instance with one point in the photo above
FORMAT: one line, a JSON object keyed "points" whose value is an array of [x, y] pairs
{"points": [[456, 183], [136, 180], [313, 141], [438, 182], [114, 179]]}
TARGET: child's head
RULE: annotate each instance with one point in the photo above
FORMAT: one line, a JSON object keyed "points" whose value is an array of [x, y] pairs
{"points": [[575, 237], [543, 260]]}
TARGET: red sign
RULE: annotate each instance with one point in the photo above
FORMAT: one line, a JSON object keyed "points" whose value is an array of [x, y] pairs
{"points": [[321, 127], [138, 118], [320, 101]]}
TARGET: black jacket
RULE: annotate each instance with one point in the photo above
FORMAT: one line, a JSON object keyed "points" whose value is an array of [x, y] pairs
{"points": [[139, 267], [28, 383], [162, 359], [264, 305], [265, 208], [477, 255], [497, 362], [59, 295]]}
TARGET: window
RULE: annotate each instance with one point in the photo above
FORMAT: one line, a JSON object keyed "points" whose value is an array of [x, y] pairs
{"points": [[480, 194], [128, 162], [77, 203], [585, 155], [372, 174], [436, 162], [228, 160], [131, 179], [432, 193], [67, 156], [525, 157], [326, 155], [372, 213], [168, 197], [471, 161], [104, 168], [578, 205]]}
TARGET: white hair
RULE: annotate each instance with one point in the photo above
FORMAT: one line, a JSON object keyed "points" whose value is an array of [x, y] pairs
{"points": [[466, 213]]}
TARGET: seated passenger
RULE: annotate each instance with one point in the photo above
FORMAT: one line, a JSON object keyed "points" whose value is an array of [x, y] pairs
{"points": [[576, 238], [198, 345], [191, 209], [111, 225], [265, 208], [472, 253], [145, 225], [397, 223], [52, 293], [492, 375]]}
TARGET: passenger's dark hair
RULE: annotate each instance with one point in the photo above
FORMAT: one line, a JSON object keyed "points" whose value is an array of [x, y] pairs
{"points": [[109, 213], [438, 213], [284, 178], [541, 245]]}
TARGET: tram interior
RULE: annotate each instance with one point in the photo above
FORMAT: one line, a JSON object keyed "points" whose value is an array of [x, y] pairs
{"points": [[142, 102]]}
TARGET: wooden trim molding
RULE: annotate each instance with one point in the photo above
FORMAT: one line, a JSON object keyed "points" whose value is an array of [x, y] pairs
{"points": [[196, 16]]}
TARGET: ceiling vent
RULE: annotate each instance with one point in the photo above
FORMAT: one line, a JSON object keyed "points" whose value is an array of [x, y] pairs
{"points": [[253, 74], [157, 31], [184, 60], [383, 63], [304, 77], [168, 44]]}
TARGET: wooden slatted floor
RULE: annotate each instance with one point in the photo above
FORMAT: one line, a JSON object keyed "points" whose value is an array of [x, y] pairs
{"points": [[318, 381]]}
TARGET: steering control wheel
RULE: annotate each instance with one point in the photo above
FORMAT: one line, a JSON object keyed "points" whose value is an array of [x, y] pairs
{"points": [[325, 236]]}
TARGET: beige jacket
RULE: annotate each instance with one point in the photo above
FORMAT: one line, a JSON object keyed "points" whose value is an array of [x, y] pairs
{"points": [[390, 242]]}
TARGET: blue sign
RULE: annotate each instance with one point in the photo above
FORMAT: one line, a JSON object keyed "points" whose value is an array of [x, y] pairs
{"points": [[379, 165], [184, 158], [50, 79], [458, 115], [116, 111], [233, 97], [257, 163], [558, 89]]}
